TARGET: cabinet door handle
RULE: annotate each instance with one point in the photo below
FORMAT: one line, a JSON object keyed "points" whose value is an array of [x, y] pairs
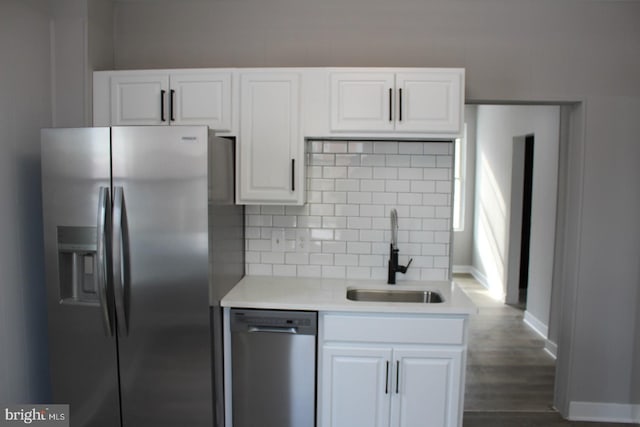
{"points": [[390, 104], [293, 174], [162, 94], [400, 104], [397, 376], [386, 381], [171, 96]]}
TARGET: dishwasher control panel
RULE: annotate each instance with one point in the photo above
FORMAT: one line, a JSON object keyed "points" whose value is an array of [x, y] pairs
{"points": [[303, 322]]}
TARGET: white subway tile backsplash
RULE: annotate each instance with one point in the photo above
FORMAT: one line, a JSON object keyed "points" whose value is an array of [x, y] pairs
{"points": [[359, 172], [334, 222], [410, 173], [316, 159], [347, 210], [373, 160], [321, 209], [384, 198], [284, 221], [334, 172], [358, 197], [346, 235], [358, 247], [352, 186], [385, 147], [372, 185], [372, 210], [360, 147], [410, 148], [335, 147], [385, 173], [401, 161], [321, 234], [423, 161], [321, 259], [347, 185], [347, 160], [423, 187], [346, 259], [297, 258], [443, 148], [334, 247], [334, 197], [397, 186]]}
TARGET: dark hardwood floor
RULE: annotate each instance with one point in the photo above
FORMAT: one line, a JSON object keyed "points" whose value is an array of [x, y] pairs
{"points": [[510, 377]]}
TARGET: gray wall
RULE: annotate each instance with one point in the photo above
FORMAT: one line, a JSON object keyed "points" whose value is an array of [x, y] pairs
{"points": [[45, 81], [81, 42], [529, 50], [463, 239], [25, 107]]}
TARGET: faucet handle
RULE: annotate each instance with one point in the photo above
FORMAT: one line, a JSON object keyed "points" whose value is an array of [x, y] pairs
{"points": [[403, 268]]}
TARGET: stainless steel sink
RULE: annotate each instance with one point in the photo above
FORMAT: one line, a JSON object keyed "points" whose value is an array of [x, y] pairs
{"points": [[393, 295]]}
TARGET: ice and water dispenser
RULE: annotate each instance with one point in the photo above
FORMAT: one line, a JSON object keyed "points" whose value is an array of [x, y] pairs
{"points": [[77, 265]]}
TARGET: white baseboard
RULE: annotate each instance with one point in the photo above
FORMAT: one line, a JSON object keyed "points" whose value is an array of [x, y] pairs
{"points": [[457, 269], [604, 412], [536, 324], [551, 348], [481, 278]]}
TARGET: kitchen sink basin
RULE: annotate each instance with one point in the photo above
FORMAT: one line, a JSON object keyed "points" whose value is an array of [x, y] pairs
{"points": [[393, 295]]}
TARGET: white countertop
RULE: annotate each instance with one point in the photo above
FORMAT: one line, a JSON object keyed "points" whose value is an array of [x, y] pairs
{"points": [[297, 293]]}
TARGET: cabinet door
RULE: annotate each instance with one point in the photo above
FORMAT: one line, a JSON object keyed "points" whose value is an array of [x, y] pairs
{"points": [[429, 101], [139, 99], [362, 102], [201, 99], [355, 386], [428, 386], [271, 148]]}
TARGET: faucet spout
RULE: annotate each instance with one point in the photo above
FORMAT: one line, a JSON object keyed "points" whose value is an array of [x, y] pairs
{"points": [[394, 228]]}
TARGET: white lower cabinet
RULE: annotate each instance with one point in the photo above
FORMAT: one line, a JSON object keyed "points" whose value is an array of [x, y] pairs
{"points": [[390, 385]]}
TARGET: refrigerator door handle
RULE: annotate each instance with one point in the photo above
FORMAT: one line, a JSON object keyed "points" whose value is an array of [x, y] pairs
{"points": [[121, 272], [103, 249]]}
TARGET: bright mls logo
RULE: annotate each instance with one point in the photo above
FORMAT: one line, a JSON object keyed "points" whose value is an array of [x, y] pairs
{"points": [[37, 415]]}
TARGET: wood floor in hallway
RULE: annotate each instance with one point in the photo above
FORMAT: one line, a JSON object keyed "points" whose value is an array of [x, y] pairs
{"points": [[510, 377]]}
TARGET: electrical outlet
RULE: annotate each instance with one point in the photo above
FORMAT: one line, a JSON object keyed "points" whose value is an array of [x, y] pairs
{"points": [[277, 240], [302, 240]]}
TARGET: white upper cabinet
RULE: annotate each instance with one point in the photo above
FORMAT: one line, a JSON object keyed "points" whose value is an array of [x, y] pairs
{"points": [[139, 100], [270, 158], [179, 97], [362, 102], [424, 102]]}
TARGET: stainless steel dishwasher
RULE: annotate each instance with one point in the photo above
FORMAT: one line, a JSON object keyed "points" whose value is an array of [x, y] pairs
{"points": [[273, 368]]}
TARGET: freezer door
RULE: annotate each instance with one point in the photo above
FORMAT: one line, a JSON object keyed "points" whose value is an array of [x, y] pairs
{"points": [[161, 269], [83, 358]]}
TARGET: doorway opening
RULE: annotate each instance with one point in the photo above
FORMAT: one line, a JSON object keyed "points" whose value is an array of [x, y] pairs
{"points": [[520, 227]]}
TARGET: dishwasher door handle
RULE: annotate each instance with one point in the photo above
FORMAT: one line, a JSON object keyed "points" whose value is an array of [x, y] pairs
{"points": [[291, 330]]}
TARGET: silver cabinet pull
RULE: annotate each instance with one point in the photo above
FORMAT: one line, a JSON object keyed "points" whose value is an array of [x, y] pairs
{"points": [[103, 251], [291, 330], [121, 271]]}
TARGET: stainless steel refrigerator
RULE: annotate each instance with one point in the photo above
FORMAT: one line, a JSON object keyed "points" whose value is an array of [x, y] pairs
{"points": [[142, 240]]}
